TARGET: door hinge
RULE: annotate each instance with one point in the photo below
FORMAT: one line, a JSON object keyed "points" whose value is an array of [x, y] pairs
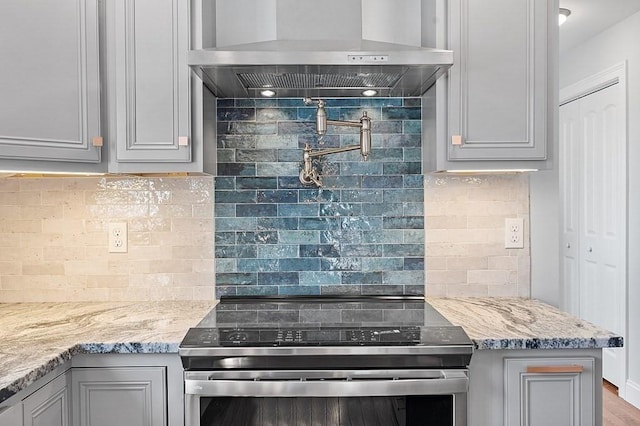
{"points": [[183, 141], [97, 141]]}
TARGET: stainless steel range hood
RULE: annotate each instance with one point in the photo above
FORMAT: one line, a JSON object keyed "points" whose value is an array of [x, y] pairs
{"points": [[319, 68]]}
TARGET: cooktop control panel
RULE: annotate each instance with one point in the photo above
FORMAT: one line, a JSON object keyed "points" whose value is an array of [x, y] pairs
{"points": [[325, 336]]}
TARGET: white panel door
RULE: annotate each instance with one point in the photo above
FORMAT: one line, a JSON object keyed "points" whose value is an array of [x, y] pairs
{"points": [[593, 187], [570, 169]]}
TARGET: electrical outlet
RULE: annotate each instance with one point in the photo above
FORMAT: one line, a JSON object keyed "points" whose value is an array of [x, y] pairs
{"points": [[514, 233], [118, 237]]}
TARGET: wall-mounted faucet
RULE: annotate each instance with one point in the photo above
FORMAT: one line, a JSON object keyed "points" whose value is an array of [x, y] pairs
{"points": [[308, 174]]}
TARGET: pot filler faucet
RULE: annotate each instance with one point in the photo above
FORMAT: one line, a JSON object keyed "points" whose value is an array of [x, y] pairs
{"points": [[308, 174]]}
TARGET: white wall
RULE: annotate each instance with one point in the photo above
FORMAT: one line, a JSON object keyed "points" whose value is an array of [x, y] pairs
{"points": [[544, 201], [617, 44]]}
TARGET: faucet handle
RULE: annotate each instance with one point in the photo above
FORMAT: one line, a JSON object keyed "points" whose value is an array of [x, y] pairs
{"points": [[312, 101], [307, 178]]}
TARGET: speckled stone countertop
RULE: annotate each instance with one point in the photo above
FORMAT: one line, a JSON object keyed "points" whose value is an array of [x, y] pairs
{"points": [[37, 337], [516, 323]]}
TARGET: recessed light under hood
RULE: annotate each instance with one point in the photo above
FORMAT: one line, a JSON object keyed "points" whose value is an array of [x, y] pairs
{"points": [[319, 68]]}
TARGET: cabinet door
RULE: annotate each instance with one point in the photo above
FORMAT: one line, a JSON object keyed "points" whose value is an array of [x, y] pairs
{"points": [[133, 396], [593, 185], [49, 80], [149, 82], [497, 87], [549, 392], [11, 416], [49, 405]]}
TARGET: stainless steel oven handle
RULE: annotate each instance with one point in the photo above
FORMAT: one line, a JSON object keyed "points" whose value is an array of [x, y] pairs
{"points": [[453, 382]]}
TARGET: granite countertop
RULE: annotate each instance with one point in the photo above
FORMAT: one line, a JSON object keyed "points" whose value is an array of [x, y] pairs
{"points": [[35, 338], [517, 323]]}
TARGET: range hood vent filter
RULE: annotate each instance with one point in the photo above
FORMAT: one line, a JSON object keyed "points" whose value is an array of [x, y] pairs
{"points": [[302, 81], [319, 68]]}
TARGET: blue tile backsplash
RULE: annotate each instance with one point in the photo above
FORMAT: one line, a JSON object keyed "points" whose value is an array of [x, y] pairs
{"points": [[361, 233]]}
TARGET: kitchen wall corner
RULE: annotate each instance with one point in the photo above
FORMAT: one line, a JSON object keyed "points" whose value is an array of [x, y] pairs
{"points": [[464, 225]]}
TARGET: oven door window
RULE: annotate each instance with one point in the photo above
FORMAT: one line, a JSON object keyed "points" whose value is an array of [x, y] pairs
{"points": [[423, 410]]}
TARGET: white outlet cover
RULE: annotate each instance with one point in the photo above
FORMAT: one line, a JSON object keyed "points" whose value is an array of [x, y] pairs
{"points": [[118, 237], [514, 233]]}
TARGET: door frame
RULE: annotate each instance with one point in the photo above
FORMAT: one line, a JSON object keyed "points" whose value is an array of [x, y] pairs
{"points": [[616, 74]]}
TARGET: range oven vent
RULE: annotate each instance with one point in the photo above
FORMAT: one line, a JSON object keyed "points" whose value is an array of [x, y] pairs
{"points": [[302, 81]]}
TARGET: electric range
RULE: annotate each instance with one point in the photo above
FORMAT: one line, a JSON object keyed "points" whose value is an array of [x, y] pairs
{"points": [[391, 360]]}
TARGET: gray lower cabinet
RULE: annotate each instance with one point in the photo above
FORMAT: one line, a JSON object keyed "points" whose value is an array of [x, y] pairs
{"points": [[536, 387], [133, 396], [50, 405], [50, 83], [549, 391], [103, 389], [11, 416], [495, 106]]}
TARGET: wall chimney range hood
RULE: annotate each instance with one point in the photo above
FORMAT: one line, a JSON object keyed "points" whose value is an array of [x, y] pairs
{"points": [[319, 68]]}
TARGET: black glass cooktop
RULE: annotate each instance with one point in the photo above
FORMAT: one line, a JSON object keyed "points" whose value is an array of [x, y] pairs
{"points": [[380, 321]]}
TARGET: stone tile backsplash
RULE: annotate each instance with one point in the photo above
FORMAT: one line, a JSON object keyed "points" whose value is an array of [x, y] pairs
{"points": [[361, 233], [53, 239], [464, 220]]}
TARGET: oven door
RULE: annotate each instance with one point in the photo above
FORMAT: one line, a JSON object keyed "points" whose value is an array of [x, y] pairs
{"points": [[326, 397]]}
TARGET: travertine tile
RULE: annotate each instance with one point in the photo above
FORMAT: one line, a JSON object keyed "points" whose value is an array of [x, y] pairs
{"points": [[10, 268], [481, 203], [503, 262], [496, 277], [53, 238], [467, 263], [436, 263], [446, 277]]}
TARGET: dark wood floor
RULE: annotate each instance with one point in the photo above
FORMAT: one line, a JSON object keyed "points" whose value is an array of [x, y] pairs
{"points": [[617, 411]]}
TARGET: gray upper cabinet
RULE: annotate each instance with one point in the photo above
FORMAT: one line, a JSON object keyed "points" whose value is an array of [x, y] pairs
{"points": [[495, 106], [149, 86], [49, 82], [76, 73]]}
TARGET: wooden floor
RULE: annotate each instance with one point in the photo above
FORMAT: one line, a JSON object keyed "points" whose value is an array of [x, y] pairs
{"points": [[617, 411]]}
